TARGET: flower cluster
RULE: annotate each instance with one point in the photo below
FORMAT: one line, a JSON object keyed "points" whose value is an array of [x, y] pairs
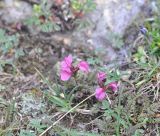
{"points": [[101, 92], [67, 69]]}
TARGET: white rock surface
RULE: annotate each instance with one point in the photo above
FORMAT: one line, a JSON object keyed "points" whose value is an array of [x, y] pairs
{"points": [[110, 20], [116, 14], [112, 17], [15, 11]]}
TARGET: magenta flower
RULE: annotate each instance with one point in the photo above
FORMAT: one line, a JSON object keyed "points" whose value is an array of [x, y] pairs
{"points": [[100, 94], [83, 66], [101, 76], [67, 69], [67, 62], [66, 66], [113, 86], [66, 74]]}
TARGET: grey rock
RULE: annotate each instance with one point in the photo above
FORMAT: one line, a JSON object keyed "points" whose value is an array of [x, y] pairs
{"points": [[115, 15], [15, 11], [111, 19]]}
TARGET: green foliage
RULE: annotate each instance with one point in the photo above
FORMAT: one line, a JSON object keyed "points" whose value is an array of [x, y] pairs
{"points": [[112, 75], [9, 134], [3, 62], [26, 133], [9, 47], [58, 101], [155, 43], [151, 68], [116, 113], [9, 111], [55, 95], [37, 125], [94, 61], [82, 24], [63, 131], [7, 42], [41, 18], [140, 55], [71, 132], [42, 15], [154, 32], [2, 87], [85, 6]]}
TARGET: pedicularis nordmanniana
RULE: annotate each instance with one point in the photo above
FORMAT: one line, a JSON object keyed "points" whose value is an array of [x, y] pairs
{"points": [[101, 91], [67, 70]]}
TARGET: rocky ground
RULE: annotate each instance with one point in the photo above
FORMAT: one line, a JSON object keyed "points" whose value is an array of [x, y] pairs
{"points": [[107, 36]]}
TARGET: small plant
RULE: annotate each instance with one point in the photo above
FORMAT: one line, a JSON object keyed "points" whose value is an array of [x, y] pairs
{"points": [[37, 125], [141, 55], [42, 18], [9, 48], [26, 133], [7, 42], [47, 19], [155, 43], [85, 6], [100, 92]]}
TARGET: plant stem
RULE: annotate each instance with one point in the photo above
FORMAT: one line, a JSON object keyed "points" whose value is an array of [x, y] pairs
{"points": [[118, 117]]}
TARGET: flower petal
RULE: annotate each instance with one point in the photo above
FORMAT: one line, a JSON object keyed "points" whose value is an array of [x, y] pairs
{"points": [[67, 62], [65, 74], [113, 86], [101, 76], [100, 94], [84, 66]]}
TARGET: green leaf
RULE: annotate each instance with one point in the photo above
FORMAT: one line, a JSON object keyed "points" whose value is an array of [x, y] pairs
{"points": [[106, 104], [36, 8], [35, 123], [18, 53], [26, 133], [58, 101]]}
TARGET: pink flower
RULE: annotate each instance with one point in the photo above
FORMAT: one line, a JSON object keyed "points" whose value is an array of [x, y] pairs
{"points": [[67, 62], [58, 2], [66, 66], [65, 74], [113, 86], [83, 66], [67, 69], [101, 76], [100, 94]]}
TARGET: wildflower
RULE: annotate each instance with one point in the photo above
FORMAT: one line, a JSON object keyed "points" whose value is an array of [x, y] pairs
{"points": [[100, 94], [101, 76], [143, 30], [66, 66], [66, 74], [83, 66], [67, 69], [113, 86]]}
